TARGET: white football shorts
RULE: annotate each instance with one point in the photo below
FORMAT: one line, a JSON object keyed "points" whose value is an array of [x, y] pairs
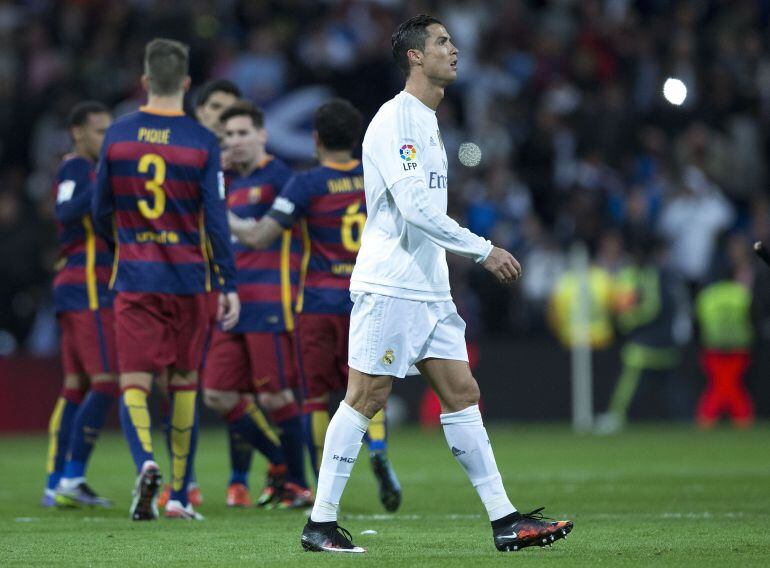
{"points": [[389, 335]]}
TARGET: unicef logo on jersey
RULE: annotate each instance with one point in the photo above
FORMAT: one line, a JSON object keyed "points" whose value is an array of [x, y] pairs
{"points": [[408, 153]]}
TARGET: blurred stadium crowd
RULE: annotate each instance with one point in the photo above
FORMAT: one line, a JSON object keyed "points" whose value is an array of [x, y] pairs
{"points": [[564, 97]]}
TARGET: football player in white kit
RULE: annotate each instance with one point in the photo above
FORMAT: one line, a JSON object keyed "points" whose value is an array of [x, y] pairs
{"points": [[403, 318]]}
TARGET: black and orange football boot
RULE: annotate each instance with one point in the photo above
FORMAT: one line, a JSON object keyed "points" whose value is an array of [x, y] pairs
{"points": [[328, 537], [516, 531], [276, 477]]}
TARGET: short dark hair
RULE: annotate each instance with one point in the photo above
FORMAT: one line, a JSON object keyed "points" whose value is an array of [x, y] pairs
{"points": [[79, 114], [216, 86], [338, 124], [244, 108], [166, 64], [410, 34]]}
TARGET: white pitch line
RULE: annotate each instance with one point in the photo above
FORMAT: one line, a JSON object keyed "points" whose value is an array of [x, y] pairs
{"points": [[383, 517]]}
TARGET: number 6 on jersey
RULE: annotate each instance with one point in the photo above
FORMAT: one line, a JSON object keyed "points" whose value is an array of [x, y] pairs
{"points": [[154, 185], [352, 218]]}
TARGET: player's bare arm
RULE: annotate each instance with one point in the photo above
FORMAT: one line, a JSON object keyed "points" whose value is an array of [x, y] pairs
{"points": [[255, 234]]}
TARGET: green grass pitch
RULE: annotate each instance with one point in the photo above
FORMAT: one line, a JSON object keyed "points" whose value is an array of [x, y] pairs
{"points": [[655, 495]]}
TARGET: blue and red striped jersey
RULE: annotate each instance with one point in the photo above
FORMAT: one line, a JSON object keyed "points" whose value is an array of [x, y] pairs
{"points": [[159, 176], [85, 259], [328, 201], [267, 279]]}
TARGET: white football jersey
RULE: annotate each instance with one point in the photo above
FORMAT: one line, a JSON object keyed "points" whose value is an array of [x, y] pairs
{"points": [[397, 258]]}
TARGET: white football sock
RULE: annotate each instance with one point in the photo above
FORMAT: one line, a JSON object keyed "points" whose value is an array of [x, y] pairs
{"points": [[468, 440], [68, 484], [341, 447]]}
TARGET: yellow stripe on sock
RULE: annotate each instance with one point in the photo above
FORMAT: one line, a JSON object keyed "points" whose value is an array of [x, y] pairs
{"points": [[182, 421], [53, 434], [319, 424], [377, 426], [259, 419], [136, 403]]}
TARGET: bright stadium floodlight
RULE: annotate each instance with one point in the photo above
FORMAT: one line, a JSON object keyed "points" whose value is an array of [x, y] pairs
{"points": [[674, 91]]}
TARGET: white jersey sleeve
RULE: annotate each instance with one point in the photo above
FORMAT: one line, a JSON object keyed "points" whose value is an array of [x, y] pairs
{"points": [[407, 162], [411, 197]]}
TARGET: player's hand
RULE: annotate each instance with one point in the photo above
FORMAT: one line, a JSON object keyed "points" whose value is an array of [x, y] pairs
{"points": [[229, 310], [240, 227], [503, 265]]}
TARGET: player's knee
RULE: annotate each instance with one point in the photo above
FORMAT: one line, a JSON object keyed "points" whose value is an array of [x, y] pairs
{"points": [[464, 396], [367, 394], [104, 378], [141, 381], [73, 382], [473, 392], [106, 384], [368, 402], [181, 380], [373, 405], [220, 401], [271, 401]]}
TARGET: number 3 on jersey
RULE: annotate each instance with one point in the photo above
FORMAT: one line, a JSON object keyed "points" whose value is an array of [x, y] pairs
{"points": [[154, 185], [353, 219]]}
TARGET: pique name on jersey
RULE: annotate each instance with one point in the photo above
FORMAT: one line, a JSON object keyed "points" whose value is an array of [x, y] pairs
{"points": [[154, 135]]}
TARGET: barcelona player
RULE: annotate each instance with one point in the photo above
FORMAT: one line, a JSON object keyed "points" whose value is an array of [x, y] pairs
{"points": [[258, 354], [84, 310], [212, 99], [159, 177], [328, 204]]}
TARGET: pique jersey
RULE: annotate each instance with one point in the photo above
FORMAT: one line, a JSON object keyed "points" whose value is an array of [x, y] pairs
{"points": [[267, 279], [407, 230], [159, 176], [85, 259], [329, 204]]}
